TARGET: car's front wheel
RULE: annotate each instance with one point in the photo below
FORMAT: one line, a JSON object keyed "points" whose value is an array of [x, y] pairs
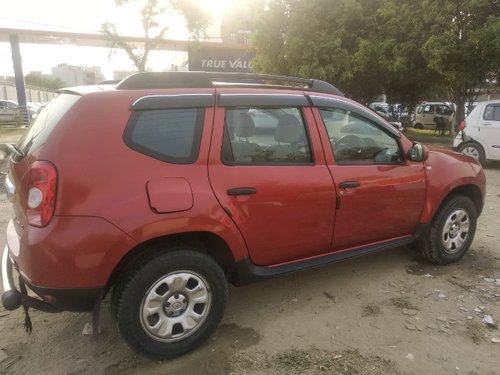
{"points": [[451, 232], [171, 303]]}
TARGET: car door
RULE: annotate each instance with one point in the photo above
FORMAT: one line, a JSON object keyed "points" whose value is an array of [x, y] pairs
{"points": [[380, 195], [4, 113], [428, 114], [268, 171], [489, 129]]}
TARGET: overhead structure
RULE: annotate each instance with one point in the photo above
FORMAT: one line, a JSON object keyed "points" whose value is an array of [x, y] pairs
{"points": [[19, 36]]}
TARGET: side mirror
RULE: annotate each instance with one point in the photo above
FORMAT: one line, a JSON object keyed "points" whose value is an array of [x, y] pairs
{"points": [[418, 153]]}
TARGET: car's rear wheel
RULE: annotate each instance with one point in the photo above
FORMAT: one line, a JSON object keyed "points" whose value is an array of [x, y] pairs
{"points": [[171, 303], [473, 149], [419, 126], [451, 232]]}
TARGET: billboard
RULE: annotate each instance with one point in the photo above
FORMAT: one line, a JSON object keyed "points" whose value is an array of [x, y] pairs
{"points": [[211, 59]]}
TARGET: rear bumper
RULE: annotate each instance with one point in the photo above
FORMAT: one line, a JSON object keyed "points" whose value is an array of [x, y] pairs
{"points": [[51, 300]]}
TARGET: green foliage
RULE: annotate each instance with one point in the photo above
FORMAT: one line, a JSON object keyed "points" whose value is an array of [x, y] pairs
{"points": [[410, 50], [48, 83], [196, 17]]}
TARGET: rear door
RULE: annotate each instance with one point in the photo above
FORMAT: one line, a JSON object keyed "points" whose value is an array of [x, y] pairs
{"points": [[268, 171], [380, 196], [489, 128]]}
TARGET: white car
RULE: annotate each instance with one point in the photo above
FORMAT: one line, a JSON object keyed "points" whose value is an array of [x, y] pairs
{"points": [[479, 134]]}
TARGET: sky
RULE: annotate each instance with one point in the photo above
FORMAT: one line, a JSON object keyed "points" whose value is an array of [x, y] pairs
{"points": [[82, 16]]}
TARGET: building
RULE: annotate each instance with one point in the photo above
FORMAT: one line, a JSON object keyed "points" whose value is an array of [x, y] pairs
{"points": [[236, 23], [77, 75]]}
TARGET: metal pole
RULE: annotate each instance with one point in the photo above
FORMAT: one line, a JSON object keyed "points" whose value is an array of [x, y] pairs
{"points": [[19, 77]]}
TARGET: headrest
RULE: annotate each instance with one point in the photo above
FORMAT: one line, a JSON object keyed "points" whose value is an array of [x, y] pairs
{"points": [[289, 129], [244, 126]]}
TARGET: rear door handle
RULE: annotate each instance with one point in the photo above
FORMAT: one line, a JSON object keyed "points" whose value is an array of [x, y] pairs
{"points": [[242, 191], [349, 184]]}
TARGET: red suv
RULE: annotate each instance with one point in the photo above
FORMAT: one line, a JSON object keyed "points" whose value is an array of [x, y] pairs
{"points": [[165, 186]]}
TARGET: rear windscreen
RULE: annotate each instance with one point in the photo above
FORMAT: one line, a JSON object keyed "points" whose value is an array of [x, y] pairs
{"points": [[49, 116]]}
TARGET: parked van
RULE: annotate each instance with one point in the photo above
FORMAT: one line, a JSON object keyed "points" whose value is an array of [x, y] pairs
{"points": [[427, 111]]}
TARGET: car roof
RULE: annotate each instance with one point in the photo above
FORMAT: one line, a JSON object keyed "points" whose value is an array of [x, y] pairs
{"points": [[198, 80], [486, 102]]}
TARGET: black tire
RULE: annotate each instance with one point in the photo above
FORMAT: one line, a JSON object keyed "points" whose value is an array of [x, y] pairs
{"points": [[451, 232], [418, 126], [156, 304], [473, 149]]}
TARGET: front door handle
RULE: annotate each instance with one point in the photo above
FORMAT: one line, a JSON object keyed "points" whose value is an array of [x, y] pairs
{"points": [[349, 184], [242, 191]]}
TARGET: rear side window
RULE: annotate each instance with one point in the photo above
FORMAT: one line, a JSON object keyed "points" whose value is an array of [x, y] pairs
{"points": [[492, 112], [265, 136], [171, 135]]}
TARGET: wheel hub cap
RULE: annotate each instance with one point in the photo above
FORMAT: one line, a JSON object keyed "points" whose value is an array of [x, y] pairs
{"points": [[455, 231], [176, 305]]}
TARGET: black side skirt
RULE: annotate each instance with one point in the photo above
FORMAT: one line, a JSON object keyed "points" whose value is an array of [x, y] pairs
{"points": [[247, 272]]}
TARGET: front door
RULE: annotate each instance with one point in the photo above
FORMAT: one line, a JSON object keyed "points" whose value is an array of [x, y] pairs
{"points": [[489, 129], [268, 171], [380, 196]]}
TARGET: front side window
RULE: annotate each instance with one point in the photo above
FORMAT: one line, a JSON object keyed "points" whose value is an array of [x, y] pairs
{"points": [[254, 135], [492, 112], [171, 135], [357, 140], [428, 109]]}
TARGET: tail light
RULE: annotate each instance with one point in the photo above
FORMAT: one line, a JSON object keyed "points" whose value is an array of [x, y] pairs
{"points": [[463, 124], [42, 192]]}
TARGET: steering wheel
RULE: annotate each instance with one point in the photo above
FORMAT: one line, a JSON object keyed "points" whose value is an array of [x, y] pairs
{"points": [[349, 142]]}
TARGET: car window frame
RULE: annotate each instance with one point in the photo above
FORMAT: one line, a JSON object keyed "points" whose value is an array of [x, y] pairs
{"points": [[323, 103], [197, 136], [226, 148], [495, 106]]}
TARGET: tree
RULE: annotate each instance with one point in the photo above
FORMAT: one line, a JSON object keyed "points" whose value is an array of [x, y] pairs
{"points": [[364, 47], [465, 47], [48, 83], [410, 50], [197, 19]]}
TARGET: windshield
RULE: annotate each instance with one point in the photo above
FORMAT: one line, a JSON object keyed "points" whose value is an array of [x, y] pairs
{"points": [[45, 122]]}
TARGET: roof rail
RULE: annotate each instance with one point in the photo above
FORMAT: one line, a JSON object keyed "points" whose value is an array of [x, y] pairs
{"points": [[157, 80], [109, 82]]}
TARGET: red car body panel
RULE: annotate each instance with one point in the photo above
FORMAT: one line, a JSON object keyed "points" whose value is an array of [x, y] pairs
{"points": [[292, 213], [103, 210], [443, 167]]}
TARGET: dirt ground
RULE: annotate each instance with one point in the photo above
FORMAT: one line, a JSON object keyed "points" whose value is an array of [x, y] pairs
{"points": [[388, 313]]}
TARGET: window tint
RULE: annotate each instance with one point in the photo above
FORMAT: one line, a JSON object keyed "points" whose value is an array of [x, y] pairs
{"points": [[171, 135], [265, 136], [492, 112], [356, 140]]}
